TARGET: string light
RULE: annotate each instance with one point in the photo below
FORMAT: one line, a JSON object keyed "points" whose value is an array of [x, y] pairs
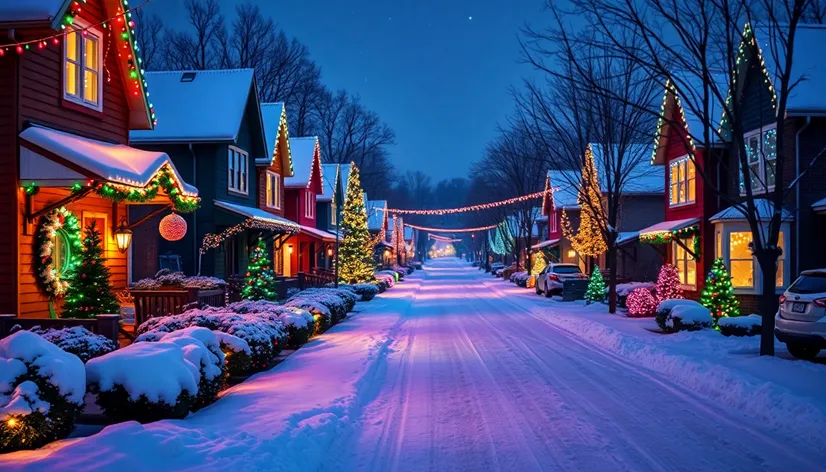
{"points": [[588, 239], [212, 241], [482, 206], [451, 230], [442, 239]]}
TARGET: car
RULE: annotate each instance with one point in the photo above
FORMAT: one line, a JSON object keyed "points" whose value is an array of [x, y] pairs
{"points": [[550, 280], [800, 321]]}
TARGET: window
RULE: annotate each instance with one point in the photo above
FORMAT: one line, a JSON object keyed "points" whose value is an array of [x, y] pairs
{"points": [[733, 242], [237, 166], [761, 156], [309, 207], [779, 280], [272, 190], [333, 211], [682, 182], [685, 263], [740, 259], [82, 60], [552, 221]]}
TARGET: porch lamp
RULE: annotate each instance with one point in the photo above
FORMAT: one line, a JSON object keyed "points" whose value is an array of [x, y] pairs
{"points": [[123, 236], [329, 252]]}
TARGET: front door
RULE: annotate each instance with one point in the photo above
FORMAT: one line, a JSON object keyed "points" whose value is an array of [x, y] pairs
{"points": [[287, 259]]}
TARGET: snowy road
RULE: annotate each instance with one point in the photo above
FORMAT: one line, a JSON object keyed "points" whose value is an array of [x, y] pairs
{"points": [[475, 382]]}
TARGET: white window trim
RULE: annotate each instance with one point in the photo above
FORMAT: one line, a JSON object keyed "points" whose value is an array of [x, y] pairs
{"points": [[333, 210], [690, 287], [309, 210], [246, 160], [81, 65], [277, 190], [688, 202], [762, 162], [726, 228]]}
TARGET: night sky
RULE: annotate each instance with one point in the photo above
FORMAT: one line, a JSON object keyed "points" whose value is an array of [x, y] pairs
{"points": [[437, 71]]}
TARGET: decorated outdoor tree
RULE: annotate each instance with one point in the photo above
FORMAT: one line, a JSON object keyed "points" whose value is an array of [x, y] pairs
{"points": [[718, 294], [587, 240], [596, 287], [356, 249], [90, 291], [668, 283], [260, 281]]}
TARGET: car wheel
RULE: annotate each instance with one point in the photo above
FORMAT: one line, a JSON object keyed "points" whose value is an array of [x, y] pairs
{"points": [[803, 351], [548, 293], [538, 290]]}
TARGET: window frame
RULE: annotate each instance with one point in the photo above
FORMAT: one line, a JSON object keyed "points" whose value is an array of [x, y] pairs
{"points": [[760, 162], [333, 211], [97, 35], [272, 189], [309, 205], [726, 228], [682, 163], [238, 176], [683, 264]]}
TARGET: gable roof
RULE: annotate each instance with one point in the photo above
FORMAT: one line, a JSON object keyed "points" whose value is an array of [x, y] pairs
{"points": [[277, 135], [307, 162], [331, 173], [31, 11], [377, 215], [764, 209], [210, 108], [641, 178], [565, 191]]}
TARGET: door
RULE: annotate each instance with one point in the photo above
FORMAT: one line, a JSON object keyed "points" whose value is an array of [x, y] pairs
{"points": [[287, 259]]}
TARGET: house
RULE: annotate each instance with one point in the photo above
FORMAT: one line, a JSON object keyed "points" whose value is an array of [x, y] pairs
{"points": [[305, 252], [328, 208], [378, 225], [563, 199], [215, 134], [66, 110]]}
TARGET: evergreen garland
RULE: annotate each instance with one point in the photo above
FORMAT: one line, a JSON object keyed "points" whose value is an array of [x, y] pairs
{"points": [[260, 281], [90, 290], [596, 288], [356, 249], [718, 293]]}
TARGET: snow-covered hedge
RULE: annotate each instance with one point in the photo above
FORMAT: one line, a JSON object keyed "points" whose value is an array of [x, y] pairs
{"points": [[146, 381], [396, 276], [740, 325], [338, 301], [624, 290], [41, 391], [520, 278], [641, 303], [300, 323], [366, 291], [402, 270], [321, 314], [683, 315], [387, 279], [165, 277], [79, 341]]}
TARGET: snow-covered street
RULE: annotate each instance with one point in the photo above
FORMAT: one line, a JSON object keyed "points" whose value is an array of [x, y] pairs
{"points": [[446, 372]]}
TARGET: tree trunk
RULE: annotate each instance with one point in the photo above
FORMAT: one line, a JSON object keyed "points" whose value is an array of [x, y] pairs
{"points": [[611, 262], [768, 300]]}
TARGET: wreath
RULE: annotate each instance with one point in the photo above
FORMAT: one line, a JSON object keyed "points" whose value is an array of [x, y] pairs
{"points": [[59, 219]]}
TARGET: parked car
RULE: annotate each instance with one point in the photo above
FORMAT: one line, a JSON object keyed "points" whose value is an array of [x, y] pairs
{"points": [[551, 279], [800, 321]]}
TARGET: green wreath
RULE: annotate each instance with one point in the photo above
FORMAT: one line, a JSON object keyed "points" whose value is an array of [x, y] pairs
{"points": [[58, 222]]}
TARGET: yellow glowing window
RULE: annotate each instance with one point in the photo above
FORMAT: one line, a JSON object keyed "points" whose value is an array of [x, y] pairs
{"points": [[779, 278], [741, 260], [685, 263], [82, 73], [682, 182]]}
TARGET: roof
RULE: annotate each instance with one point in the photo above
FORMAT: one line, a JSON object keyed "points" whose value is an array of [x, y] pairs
{"points": [[331, 177], [344, 176], [669, 226], [30, 11], [304, 151], [566, 188], [627, 237], [640, 177], [544, 244], [209, 108], [763, 207], [275, 126], [259, 216], [376, 211], [819, 206], [317, 233], [96, 159]]}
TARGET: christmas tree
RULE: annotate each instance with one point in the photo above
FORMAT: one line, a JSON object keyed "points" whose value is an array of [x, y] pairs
{"points": [[587, 240], [356, 249], [718, 294], [90, 292], [596, 288], [668, 283], [260, 281]]}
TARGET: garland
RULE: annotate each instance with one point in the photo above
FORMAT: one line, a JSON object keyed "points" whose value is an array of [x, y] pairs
{"points": [[665, 237], [162, 180], [58, 219]]}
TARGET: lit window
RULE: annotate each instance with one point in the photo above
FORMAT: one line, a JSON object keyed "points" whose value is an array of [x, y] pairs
{"points": [[685, 263], [237, 166], [682, 178], [779, 279], [272, 190], [740, 259], [761, 156], [82, 59]]}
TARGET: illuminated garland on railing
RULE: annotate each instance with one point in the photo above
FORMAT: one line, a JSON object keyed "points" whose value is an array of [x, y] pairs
{"points": [[664, 237], [451, 230], [482, 206]]}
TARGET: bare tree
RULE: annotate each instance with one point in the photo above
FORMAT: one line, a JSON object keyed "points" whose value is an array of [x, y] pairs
{"points": [[150, 36], [201, 49]]}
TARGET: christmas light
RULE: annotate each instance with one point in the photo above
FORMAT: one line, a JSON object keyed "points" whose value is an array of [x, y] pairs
{"points": [[260, 279], [59, 222], [212, 241], [182, 201], [356, 249], [172, 227], [718, 293], [596, 288], [640, 302], [451, 230], [483, 206], [668, 283], [664, 237], [587, 240], [90, 289]]}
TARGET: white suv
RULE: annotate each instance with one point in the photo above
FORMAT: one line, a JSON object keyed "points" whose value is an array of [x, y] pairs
{"points": [[551, 279], [801, 318]]}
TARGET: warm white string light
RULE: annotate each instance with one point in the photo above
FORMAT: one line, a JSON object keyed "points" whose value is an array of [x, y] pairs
{"points": [[451, 230], [482, 206]]}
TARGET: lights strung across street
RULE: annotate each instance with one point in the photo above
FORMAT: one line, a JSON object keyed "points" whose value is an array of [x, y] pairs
{"points": [[482, 206], [451, 230]]}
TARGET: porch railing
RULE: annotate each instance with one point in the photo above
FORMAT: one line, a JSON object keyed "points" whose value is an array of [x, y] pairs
{"points": [[151, 303]]}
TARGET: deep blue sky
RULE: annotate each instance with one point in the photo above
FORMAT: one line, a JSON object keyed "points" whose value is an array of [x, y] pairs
{"points": [[438, 72]]}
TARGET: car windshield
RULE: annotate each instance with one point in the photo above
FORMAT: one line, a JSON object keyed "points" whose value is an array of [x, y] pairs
{"points": [[809, 284], [566, 269]]}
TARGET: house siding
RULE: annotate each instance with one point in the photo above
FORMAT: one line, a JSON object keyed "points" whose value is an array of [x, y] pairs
{"points": [[9, 185], [811, 226]]}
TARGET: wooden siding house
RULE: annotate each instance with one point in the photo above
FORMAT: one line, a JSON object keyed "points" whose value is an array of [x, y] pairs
{"points": [[557, 248], [66, 109]]}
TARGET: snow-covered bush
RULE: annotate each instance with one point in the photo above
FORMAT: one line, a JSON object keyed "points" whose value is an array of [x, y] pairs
{"points": [[623, 290], [520, 278], [146, 381], [321, 314], [41, 391], [299, 322], [740, 325], [366, 291], [79, 341], [641, 303], [388, 279], [293, 291], [683, 315], [338, 301], [392, 273], [237, 353], [381, 285], [402, 270], [164, 277]]}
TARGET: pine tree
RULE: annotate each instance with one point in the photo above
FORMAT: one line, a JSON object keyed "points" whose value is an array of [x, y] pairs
{"points": [[718, 294], [260, 281], [356, 249], [587, 240], [668, 283], [596, 287], [90, 291]]}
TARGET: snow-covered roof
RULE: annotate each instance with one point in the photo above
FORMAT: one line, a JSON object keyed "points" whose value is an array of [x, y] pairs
{"points": [[669, 226], [544, 244], [763, 207], [344, 176], [275, 125], [317, 233], [566, 187], [30, 10], [375, 215], [304, 153], [640, 177], [258, 215], [331, 177], [210, 107], [95, 159], [627, 237], [819, 206]]}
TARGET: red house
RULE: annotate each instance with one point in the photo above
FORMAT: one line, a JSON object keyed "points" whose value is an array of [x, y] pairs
{"points": [[302, 252], [66, 108], [563, 199]]}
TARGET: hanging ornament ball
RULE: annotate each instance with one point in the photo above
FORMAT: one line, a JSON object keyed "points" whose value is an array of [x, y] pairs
{"points": [[172, 227]]}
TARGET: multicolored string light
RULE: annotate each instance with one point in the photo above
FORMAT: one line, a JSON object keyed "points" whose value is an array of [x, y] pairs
{"points": [[450, 230]]}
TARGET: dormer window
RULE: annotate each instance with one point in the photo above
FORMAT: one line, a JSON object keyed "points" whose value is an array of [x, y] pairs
{"points": [[682, 182], [761, 155], [83, 61]]}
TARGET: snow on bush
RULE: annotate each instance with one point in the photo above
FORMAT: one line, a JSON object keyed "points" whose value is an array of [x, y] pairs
{"points": [[623, 290], [520, 278], [388, 279], [381, 285], [299, 322], [366, 292], [401, 269], [237, 353], [391, 273], [641, 303], [146, 381], [165, 277], [293, 291], [338, 301], [678, 315], [321, 314], [79, 341], [740, 325], [41, 391]]}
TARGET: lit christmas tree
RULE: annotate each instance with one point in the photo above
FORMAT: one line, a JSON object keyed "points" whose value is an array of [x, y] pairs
{"points": [[356, 249], [90, 292], [596, 288], [260, 281], [668, 283], [718, 294], [587, 240]]}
